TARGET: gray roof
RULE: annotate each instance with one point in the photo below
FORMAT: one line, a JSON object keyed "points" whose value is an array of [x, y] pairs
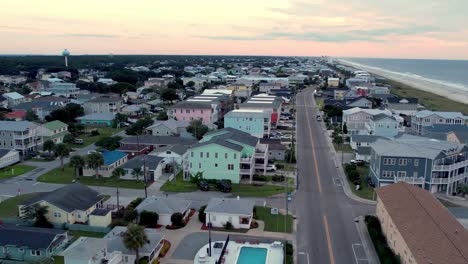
{"points": [[157, 140], [221, 142], [85, 248], [115, 242], [15, 125], [179, 149], [98, 116], [105, 99], [230, 206], [193, 105], [426, 113], [164, 205], [75, 196], [382, 117], [364, 150], [398, 100], [233, 134], [170, 123], [365, 138], [51, 106], [442, 128], [30, 237], [3, 152], [152, 162]]}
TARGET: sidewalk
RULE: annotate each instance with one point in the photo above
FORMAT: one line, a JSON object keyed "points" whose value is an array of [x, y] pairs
{"points": [[456, 200], [367, 243]]}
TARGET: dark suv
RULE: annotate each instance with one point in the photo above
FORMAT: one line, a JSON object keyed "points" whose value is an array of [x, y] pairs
{"points": [[224, 186], [203, 185]]}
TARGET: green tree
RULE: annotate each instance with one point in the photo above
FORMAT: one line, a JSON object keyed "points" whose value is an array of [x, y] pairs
{"points": [[119, 118], [134, 239], [169, 95], [197, 129], [38, 213], [177, 219], [190, 84], [149, 219], [94, 161], [345, 128], [31, 116], [49, 146], [109, 143], [202, 214], [69, 139], [62, 150], [122, 87], [137, 172], [162, 116], [77, 162], [138, 128]]}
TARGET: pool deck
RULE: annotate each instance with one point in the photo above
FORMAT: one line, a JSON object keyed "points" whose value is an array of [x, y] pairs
{"points": [[275, 252]]}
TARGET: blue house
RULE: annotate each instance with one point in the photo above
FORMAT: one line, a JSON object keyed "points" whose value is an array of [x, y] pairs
{"points": [[382, 125], [30, 244], [437, 166]]}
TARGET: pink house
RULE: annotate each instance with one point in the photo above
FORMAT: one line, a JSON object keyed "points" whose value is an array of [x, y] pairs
{"points": [[192, 110]]}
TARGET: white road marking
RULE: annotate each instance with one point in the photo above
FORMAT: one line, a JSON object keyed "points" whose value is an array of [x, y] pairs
{"points": [[36, 183], [307, 254], [355, 256]]}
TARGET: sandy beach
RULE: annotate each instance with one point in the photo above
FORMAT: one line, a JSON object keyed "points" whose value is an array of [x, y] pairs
{"points": [[452, 91]]}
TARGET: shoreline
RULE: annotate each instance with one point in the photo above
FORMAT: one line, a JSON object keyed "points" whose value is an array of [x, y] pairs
{"points": [[453, 93]]}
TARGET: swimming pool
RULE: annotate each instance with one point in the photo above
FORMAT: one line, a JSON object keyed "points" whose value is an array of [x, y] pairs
{"points": [[251, 255]]}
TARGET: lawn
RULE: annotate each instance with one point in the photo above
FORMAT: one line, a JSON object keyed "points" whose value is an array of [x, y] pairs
{"points": [[178, 185], [365, 192], [429, 100], [274, 223], [342, 147], [286, 166], [15, 170], [9, 207], [103, 132], [78, 233], [68, 175]]}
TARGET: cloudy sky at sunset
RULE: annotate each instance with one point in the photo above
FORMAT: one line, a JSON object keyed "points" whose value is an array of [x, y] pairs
{"points": [[354, 28]]}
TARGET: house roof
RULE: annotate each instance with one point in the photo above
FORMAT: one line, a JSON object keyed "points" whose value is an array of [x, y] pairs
{"points": [[152, 162], [368, 111], [171, 124], [380, 117], [54, 125], [98, 116], [221, 142], [105, 99], [157, 140], [442, 128], [364, 150], [75, 196], [15, 114], [85, 248], [399, 100], [426, 113], [4, 152], [230, 206], [164, 205], [462, 136], [365, 138], [431, 233], [15, 125], [115, 242], [13, 95], [30, 237], [232, 134], [111, 156], [50, 106], [193, 104]]}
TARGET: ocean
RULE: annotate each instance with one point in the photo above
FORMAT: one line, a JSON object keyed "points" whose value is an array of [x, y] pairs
{"points": [[448, 72]]}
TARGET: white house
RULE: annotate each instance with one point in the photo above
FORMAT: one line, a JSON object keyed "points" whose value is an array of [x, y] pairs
{"points": [[153, 164], [8, 157], [356, 118], [172, 154], [333, 82], [13, 99], [238, 212], [165, 207]]}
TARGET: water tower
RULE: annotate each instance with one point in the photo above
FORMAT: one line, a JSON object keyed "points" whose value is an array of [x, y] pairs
{"points": [[66, 53]]}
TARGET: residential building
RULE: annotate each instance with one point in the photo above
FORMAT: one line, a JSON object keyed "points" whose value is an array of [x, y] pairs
{"points": [[442, 132], [269, 87], [150, 250], [107, 81], [90, 250], [55, 131], [426, 118], [147, 143], [170, 127], [16, 115], [13, 99], [382, 125], [173, 155], [356, 118], [294, 80], [19, 135], [267, 103], [165, 207], [404, 106], [333, 82], [227, 154], [418, 228], [276, 150], [39, 107], [207, 110], [60, 88], [437, 166], [376, 90], [364, 140], [360, 102], [255, 122], [97, 119], [150, 165], [240, 90], [103, 105], [8, 157], [22, 244], [112, 160], [70, 204], [460, 137], [238, 212]]}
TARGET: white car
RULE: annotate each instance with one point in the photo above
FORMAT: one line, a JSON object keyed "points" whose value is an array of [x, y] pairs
{"points": [[286, 137], [271, 167], [91, 151]]}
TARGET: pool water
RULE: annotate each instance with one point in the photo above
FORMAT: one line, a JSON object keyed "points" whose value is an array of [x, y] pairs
{"points": [[251, 255]]}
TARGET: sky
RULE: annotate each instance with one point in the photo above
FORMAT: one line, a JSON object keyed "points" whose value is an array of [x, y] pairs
{"points": [[341, 28]]}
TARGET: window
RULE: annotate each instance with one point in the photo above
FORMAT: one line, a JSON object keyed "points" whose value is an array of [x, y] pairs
{"points": [[401, 174], [199, 165], [415, 174], [201, 154], [416, 162], [225, 155], [79, 215], [216, 165], [230, 166], [213, 217], [20, 249], [190, 164], [35, 252], [402, 162], [216, 155], [57, 214], [207, 155], [5, 249], [392, 161], [191, 154], [235, 156]]}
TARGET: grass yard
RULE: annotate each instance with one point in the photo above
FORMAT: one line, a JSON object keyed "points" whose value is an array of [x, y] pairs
{"points": [[103, 132], [9, 207], [342, 147], [365, 192], [68, 175], [78, 233], [429, 100], [178, 185], [286, 166], [319, 102], [274, 223], [15, 170]]}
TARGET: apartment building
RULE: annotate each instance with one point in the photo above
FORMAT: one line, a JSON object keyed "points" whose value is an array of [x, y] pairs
{"points": [[426, 118], [226, 154], [255, 122], [13, 99], [22, 136], [205, 110], [418, 228], [103, 105], [437, 166], [268, 103]]}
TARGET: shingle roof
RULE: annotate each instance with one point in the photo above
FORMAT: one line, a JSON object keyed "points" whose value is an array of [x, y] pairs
{"points": [[13, 95], [230, 206], [105, 99], [30, 237], [221, 142], [152, 162], [365, 138], [232, 134], [364, 150], [98, 116], [50, 106], [3, 152], [406, 100], [163, 205], [85, 248], [425, 113], [431, 233], [193, 105], [75, 196]]}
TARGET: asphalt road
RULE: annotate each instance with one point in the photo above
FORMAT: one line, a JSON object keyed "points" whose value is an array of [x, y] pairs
{"points": [[326, 232]]}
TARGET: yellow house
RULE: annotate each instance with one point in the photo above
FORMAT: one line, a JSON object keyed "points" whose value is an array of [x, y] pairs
{"points": [[72, 204]]}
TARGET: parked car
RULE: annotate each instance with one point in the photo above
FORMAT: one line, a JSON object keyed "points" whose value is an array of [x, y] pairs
{"points": [[92, 151], [203, 185], [224, 186], [284, 117], [319, 118], [123, 124], [271, 167], [357, 162], [78, 141], [285, 137]]}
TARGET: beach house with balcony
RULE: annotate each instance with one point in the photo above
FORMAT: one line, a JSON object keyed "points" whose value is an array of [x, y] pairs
{"points": [[13, 99], [226, 154], [382, 125], [55, 131], [255, 122], [437, 166], [19, 135], [103, 105], [356, 118], [424, 119], [205, 109], [268, 103]]}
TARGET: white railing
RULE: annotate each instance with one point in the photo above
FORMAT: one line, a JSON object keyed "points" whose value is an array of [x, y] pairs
{"points": [[409, 179], [450, 179], [244, 171], [246, 160], [450, 167]]}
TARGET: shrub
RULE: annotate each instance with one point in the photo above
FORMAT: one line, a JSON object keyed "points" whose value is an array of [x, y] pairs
{"points": [[289, 249], [278, 178], [260, 178], [354, 177], [228, 225], [349, 167], [149, 219], [177, 219], [385, 253], [279, 166], [133, 204], [202, 214], [95, 133], [130, 215]]}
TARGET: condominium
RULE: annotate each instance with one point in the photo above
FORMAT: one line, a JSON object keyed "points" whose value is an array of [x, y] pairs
{"points": [[19, 135], [255, 122]]}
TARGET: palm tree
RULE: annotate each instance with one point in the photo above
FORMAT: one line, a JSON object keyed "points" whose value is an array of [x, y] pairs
{"points": [[94, 161], [117, 173], [62, 150], [137, 172], [77, 162], [48, 145], [134, 239]]}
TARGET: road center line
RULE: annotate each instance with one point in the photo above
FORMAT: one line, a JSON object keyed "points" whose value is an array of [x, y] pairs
{"points": [[327, 233]]}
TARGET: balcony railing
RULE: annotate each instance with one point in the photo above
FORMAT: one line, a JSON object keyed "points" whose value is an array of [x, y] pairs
{"points": [[449, 180], [418, 180], [244, 171], [450, 167], [246, 160]]}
